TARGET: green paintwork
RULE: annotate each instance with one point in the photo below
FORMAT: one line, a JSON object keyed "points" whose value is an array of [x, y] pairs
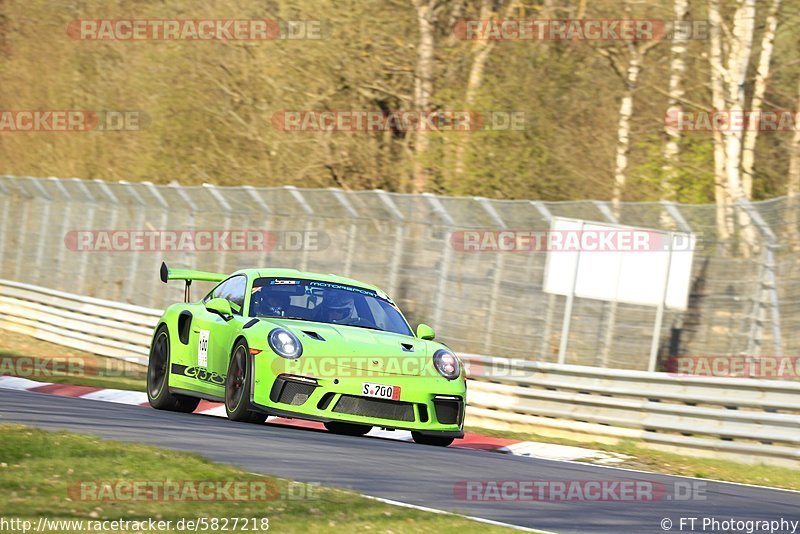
{"points": [[341, 361]]}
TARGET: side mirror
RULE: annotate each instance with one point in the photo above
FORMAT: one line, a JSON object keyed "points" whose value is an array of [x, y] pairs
{"points": [[221, 307], [425, 332]]}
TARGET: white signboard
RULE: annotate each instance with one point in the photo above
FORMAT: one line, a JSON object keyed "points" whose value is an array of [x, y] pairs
{"points": [[619, 263]]}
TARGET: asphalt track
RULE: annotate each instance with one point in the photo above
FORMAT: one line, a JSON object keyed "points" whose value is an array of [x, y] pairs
{"points": [[401, 471]]}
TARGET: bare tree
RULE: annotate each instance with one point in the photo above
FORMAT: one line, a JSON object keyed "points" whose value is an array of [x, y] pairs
{"points": [[677, 70], [482, 49], [721, 196], [793, 183], [423, 87], [762, 74], [735, 75], [630, 77]]}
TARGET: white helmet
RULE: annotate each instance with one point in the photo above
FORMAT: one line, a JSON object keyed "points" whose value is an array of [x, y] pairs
{"points": [[339, 307]]}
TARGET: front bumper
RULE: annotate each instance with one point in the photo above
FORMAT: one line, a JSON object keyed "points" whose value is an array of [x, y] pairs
{"points": [[429, 405]]}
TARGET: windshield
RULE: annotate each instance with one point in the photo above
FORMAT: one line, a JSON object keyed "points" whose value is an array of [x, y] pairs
{"points": [[326, 302]]}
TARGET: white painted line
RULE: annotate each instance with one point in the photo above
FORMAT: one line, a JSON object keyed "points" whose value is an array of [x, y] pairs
{"points": [[219, 411], [119, 396], [552, 451], [15, 382], [445, 512], [401, 435]]}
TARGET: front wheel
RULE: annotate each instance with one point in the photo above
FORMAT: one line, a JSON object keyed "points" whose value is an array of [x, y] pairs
{"points": [[427, 439], [237, 387], [347, 429], [158, 394]]}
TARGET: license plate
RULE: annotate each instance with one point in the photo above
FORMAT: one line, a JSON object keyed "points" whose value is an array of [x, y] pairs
{"points": [[380, 391]]}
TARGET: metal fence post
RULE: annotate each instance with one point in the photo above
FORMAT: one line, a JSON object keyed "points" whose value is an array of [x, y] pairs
{"points": [[768, 288], [89, 202], [4, 223], [494, 293], [189, 259], [107, 260], [609, 308], [130, 288], [352, 230], [309, 212], [545, 214], [45, 215], [562, 346], [439, 209], [651, 366], [399, 229], [226, 210]]}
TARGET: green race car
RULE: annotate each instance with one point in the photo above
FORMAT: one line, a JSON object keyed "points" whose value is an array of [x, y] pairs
{"points": [[303, 345]]}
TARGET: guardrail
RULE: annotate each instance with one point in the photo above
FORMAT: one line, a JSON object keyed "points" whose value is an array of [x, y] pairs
{"points": [[93, 325], [745, 419]]}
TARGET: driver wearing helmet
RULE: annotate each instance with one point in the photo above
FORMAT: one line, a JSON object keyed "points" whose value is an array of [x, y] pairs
{"points": [[270, 304], [339, 308]]}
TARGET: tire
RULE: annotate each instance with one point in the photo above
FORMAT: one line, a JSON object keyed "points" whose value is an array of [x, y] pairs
{"points": [[347, 429], [158, 394], [237, 387], [427, 439]]}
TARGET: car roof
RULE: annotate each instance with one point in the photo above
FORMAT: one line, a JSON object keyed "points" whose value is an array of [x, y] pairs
{"points": [[294, 273]]}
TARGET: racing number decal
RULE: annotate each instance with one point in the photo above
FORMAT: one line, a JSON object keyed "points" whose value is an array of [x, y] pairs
{"points": [[202, 349]]}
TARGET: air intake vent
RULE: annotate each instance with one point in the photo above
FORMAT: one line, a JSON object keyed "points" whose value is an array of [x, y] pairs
{"points": [[313, 335], [290, 392], [382, 409], [448, 411]]}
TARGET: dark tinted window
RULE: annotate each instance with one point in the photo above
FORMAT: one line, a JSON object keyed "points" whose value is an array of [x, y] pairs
{"points": [[231, 290]]}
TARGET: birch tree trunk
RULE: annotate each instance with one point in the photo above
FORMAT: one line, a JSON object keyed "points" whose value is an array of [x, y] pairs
{"points": [[762, 73], [423, 88], [741, 47], [624, 127], [482, 49], [724, 229], [677, 70], [738, 58], [793, 184]]}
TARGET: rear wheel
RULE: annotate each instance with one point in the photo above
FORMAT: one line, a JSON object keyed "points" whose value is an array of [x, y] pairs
{"points": [[158, 393], [237, 387], [347, 429], [427, 439]]}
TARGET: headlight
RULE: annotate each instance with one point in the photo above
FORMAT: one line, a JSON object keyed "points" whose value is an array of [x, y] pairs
{"points": [[285, 344], [447, 364]]}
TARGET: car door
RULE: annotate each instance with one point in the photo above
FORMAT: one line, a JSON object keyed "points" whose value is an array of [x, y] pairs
{"points": [[212, 335]]}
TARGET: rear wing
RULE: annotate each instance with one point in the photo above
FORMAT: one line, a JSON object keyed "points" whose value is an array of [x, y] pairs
{"points": [[188, 275]]}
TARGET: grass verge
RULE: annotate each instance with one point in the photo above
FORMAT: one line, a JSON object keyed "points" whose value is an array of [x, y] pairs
{"points": [[66, 476], [34, 359]]}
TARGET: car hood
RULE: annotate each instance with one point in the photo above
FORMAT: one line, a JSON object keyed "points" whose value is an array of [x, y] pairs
{"points": [[350, 350]]}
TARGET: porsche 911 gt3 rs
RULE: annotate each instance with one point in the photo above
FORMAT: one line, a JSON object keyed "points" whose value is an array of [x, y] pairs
{"points": [[304, 345]]}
